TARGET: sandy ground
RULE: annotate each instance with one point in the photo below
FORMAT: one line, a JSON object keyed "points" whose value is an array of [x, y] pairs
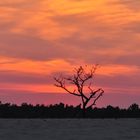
{"points": [[69, 129]]}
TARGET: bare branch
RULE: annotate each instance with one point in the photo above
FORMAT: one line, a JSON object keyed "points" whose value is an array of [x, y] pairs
{"points": [[92, 94], [95, 100], [61, 84]]}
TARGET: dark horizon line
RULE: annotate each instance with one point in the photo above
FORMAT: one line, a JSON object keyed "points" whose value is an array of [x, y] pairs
{"points": [[65, 104], [61, 110]]}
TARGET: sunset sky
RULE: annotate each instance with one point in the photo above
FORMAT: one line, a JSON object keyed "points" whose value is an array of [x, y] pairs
{"points": [[43, 38]]}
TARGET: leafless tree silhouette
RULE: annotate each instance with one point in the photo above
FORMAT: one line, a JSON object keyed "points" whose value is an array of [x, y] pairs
{"points": [[81, 79]]}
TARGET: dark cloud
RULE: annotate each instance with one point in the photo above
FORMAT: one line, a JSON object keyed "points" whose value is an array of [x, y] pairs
{"points": [[25, 78], [122, 81], [130, 59], [27, 47], [120, 49], [132, 27], [17, 3], [131, 4], [15, 77], [94, 50], [103, 43]]}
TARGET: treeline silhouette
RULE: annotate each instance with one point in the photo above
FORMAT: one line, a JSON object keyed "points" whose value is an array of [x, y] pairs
{"points": [[61, 110]]}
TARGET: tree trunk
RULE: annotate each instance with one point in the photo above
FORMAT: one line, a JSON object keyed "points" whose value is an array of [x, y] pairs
{"points": [[84, 111]]}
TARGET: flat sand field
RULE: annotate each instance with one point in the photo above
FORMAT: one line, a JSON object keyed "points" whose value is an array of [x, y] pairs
{"points": [[69, 129]]}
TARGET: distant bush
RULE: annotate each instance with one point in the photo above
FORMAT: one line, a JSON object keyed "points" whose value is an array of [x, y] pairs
{"points": [[61, 110]]}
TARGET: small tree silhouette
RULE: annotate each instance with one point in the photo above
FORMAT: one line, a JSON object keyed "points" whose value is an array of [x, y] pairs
{"points": [[81, 79], [134, 107]]}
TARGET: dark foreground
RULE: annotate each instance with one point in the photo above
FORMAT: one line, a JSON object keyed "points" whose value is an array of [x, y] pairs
{"points": [[69, 129], [64, 111]]}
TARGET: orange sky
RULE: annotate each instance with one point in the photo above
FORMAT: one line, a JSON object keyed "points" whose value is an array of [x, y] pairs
{"points": [[40, 39]]}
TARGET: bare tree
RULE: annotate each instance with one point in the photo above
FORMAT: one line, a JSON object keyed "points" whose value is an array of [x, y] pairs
{"points": [[81, 79]]}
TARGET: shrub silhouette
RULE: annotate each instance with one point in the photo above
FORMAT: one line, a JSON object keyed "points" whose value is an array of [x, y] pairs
{"points": [[64, 111], [134, 107]]}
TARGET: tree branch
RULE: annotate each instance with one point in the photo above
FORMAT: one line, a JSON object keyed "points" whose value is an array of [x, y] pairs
{"points": [[61, 83], [95, 100]]}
